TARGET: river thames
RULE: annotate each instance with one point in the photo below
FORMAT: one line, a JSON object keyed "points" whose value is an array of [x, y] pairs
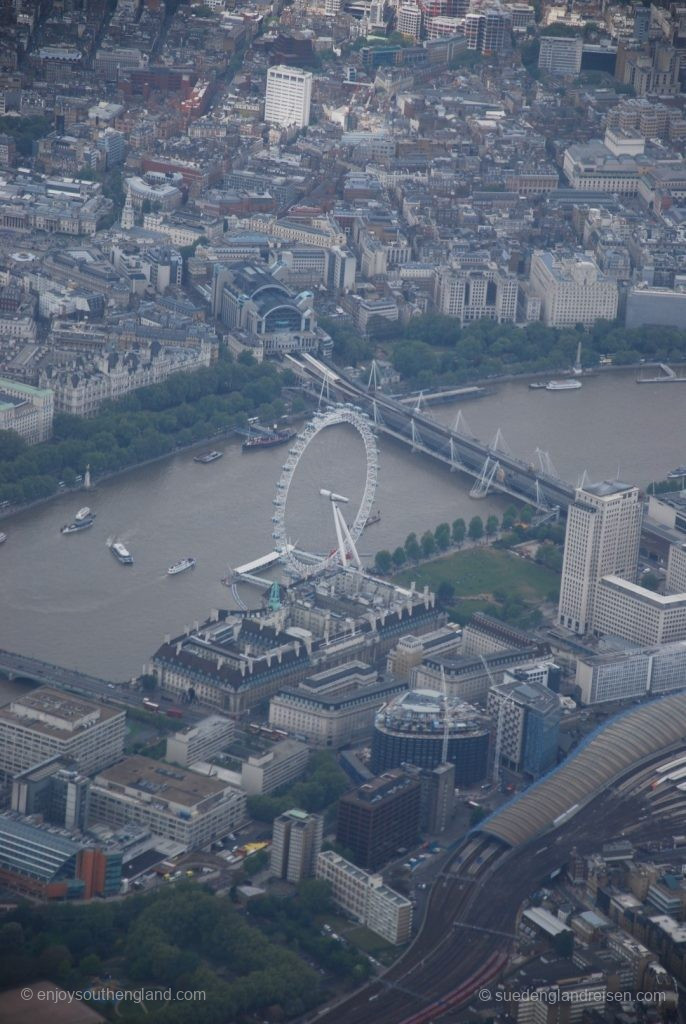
{"points": [[65, 599]]}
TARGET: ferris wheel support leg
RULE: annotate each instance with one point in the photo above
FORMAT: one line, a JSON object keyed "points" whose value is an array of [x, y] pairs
{"points": [[350, 542], [337, 517]]}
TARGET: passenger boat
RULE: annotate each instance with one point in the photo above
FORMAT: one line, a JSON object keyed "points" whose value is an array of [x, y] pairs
{"points": [[269, 440], [121, 553], [208, 457], [675, 474], [537, 385], [375, 517], [77, 526], [83, 514], [3, 538], [563, 385], [177, 567]]}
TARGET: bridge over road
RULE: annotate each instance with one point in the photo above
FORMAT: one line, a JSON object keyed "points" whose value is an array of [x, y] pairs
{"points": [[19, 666]]}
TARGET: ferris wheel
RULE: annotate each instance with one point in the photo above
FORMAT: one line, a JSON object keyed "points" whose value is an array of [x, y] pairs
{"points": [[346, 536]]}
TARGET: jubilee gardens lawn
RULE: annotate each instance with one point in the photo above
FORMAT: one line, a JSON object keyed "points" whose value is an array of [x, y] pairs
{"points": [[478, 574]]}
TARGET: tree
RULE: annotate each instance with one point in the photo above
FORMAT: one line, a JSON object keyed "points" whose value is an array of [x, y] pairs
{"points": [[445, 593], [148, 682], [442, 536], [383, 561], [399, 557], [526, 514], [478, 814], [412, 549], [476, 528], [492, 526], [428, 544], [509, 517], [459, 531]]}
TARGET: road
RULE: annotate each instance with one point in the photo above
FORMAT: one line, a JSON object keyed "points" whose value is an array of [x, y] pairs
{"points": [[470, 919]]}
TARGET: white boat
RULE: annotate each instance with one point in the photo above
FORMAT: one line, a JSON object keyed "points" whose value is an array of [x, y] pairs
{"points": [[76, 527], [563, 385], [84, 513], [121, 553], [3, 538], [674, 474], [177, 567]]}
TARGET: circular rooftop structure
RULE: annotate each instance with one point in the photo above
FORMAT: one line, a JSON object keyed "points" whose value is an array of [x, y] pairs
{"points": [[411, 729]]}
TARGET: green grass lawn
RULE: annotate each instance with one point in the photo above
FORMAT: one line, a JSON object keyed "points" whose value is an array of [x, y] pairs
{"points": [[477, 572], [368, 941]]}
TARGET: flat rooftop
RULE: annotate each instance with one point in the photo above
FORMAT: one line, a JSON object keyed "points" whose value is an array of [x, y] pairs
{"points": [[165, 782]]}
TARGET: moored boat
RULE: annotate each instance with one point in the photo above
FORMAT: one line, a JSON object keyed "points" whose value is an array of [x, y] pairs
{"points": [[270, 440], [563, 385]]}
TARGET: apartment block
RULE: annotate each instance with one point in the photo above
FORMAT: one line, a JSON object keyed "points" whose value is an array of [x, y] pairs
{"points": [[374, 904], [200, 742], [296, 844], [284, 763]]}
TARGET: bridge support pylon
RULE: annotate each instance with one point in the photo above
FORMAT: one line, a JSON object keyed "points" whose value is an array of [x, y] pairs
{"points": [[486, 478]]}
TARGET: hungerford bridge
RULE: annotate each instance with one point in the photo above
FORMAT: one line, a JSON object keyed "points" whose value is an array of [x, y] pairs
{"points": [[492, 466]]}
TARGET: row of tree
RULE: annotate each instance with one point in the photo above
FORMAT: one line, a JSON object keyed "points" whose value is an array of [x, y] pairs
{"points": [[433, 349], [445, 535], [146, 424]]}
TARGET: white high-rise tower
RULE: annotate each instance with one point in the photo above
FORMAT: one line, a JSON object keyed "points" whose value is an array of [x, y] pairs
{"points": [[288, 96], [602, 539]]}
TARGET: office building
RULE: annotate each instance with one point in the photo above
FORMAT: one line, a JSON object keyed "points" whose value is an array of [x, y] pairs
{"points": [[573, 290], [675, 581], [468, 677], [413, 727], [481, 294], [49, 723], [48, 863], [485, 635], [54, 791], [379, 818], [411, 650], [288, 97], [526, 717], [641, 616], [200, 742], [283, 763], [437, 796], [561, 55], [487, 31], [366, 898], [335, 707], [656, 307], [409, 21], [635, 673], [602, 538], [189, 809], [296, 844], [26, 410]]}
